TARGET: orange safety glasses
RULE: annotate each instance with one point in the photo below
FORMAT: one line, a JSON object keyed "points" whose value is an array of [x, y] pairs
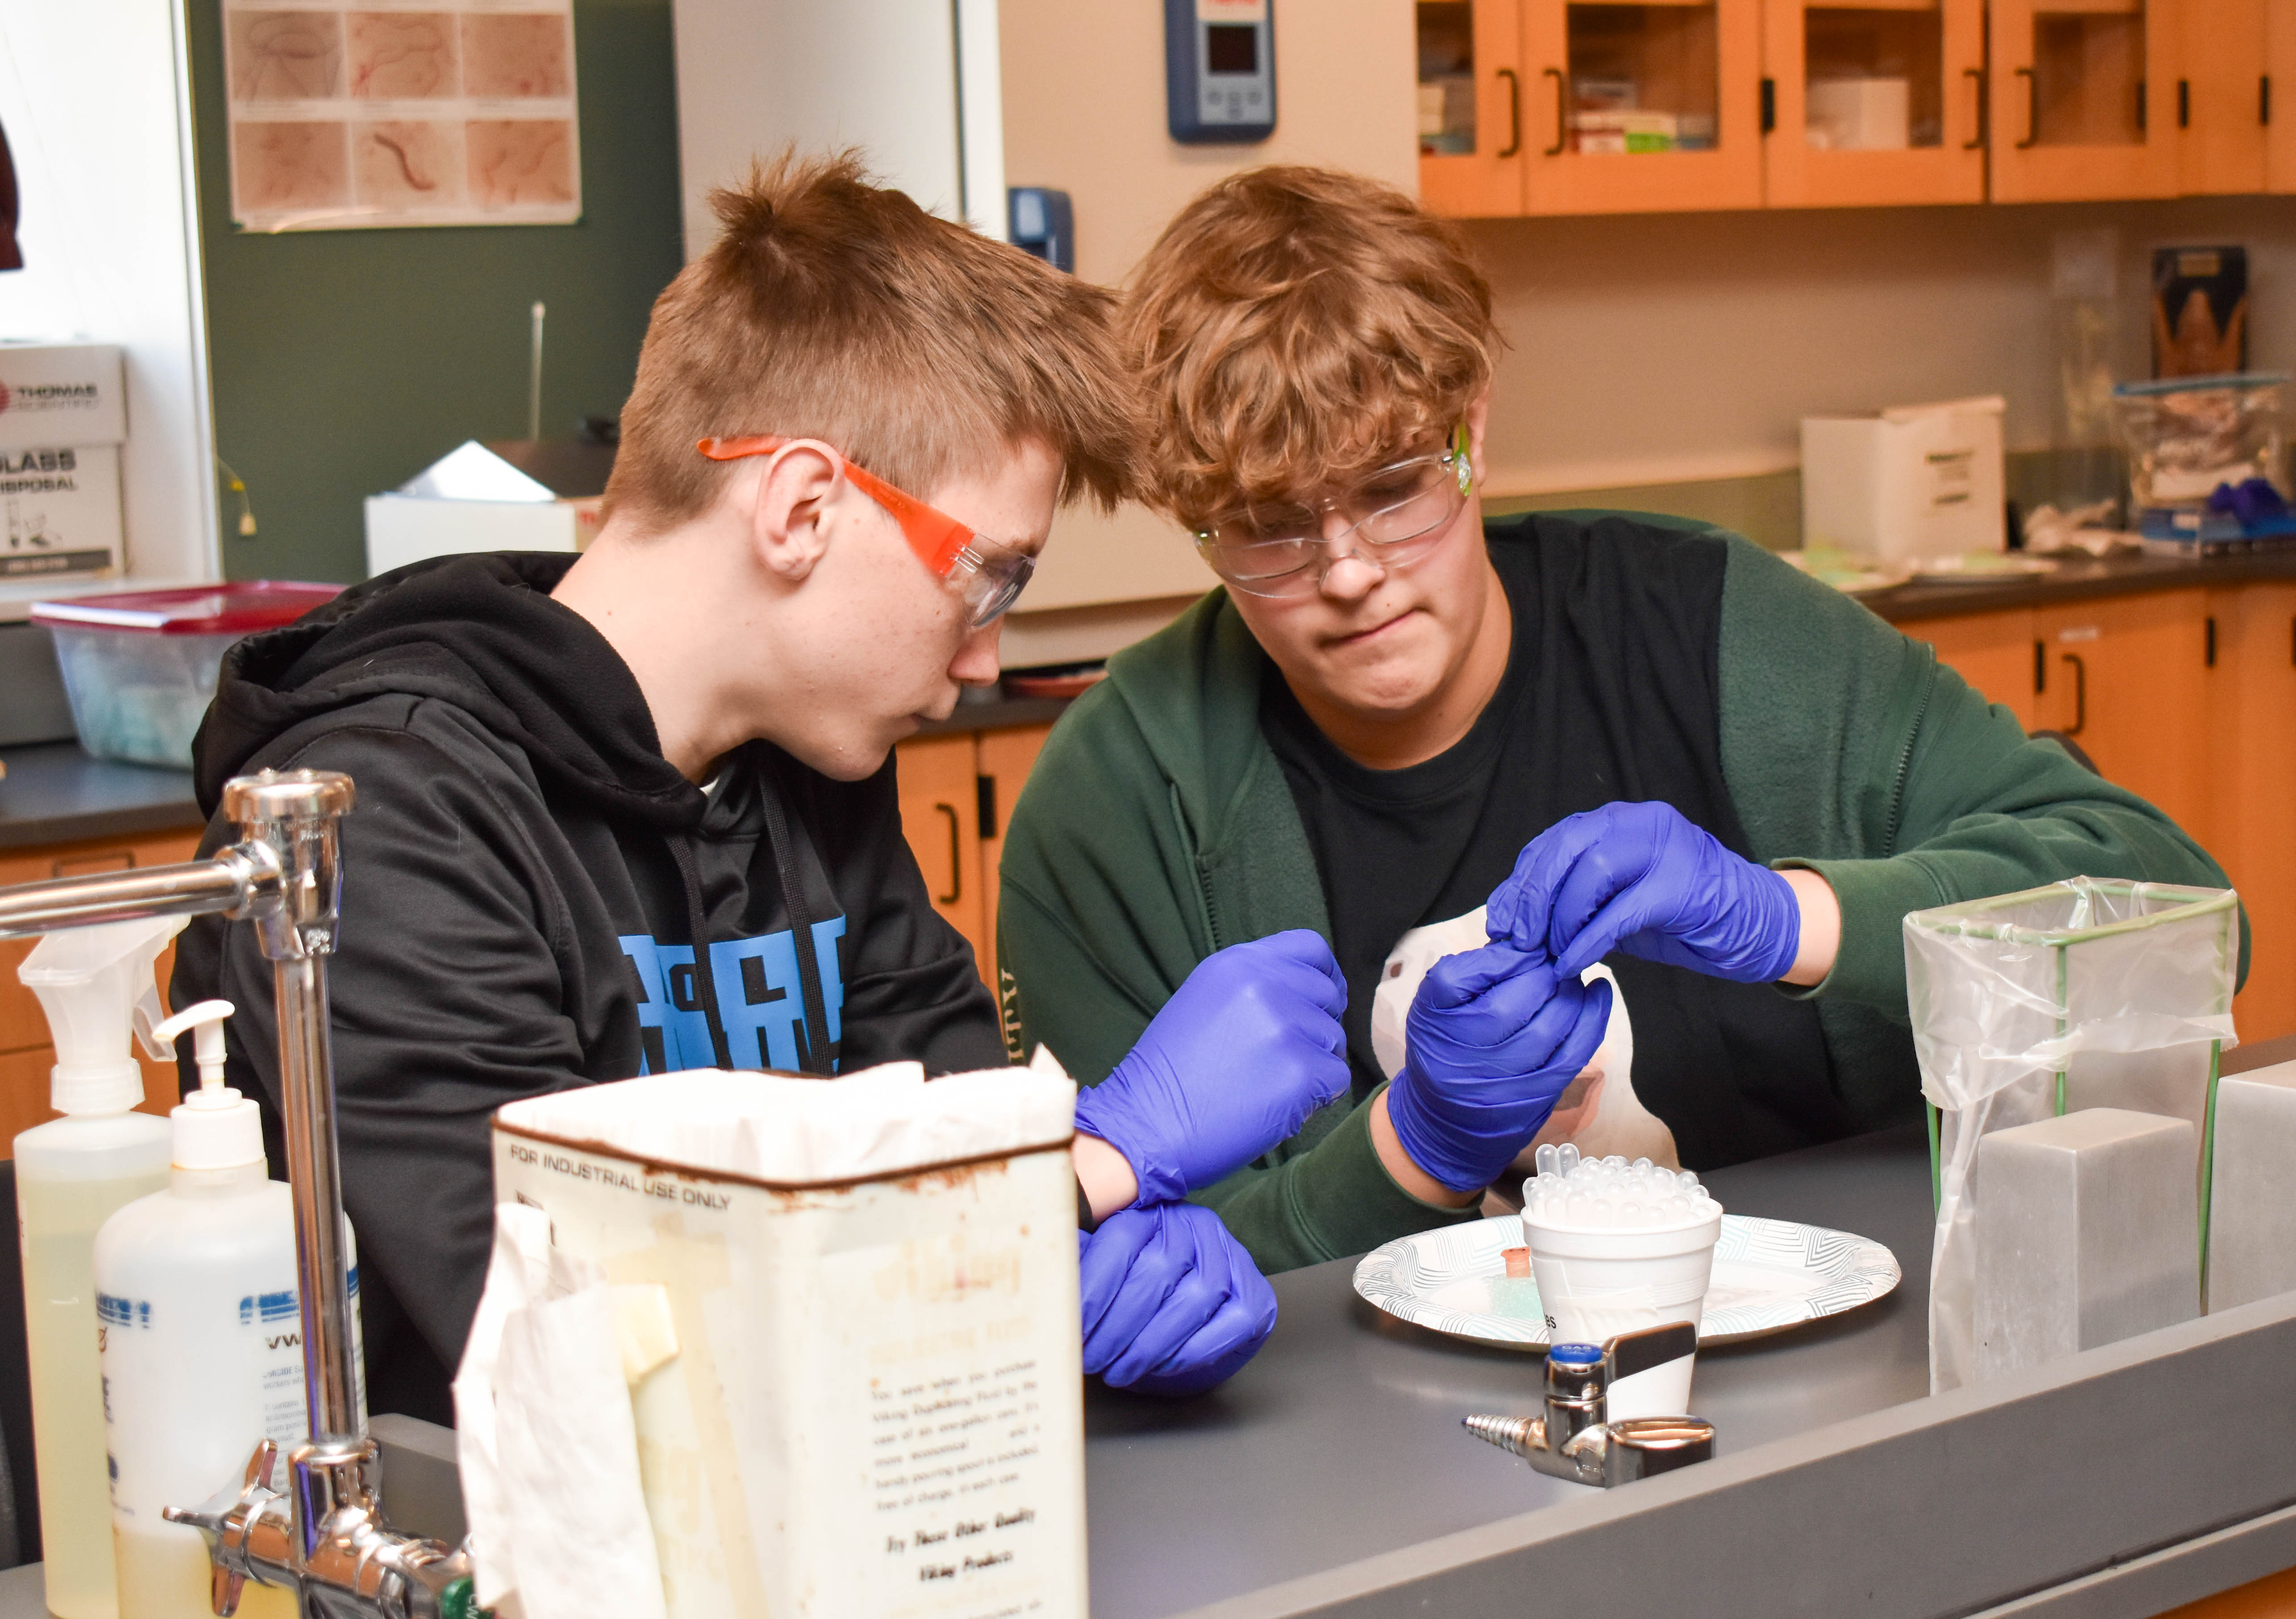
{"points": [[988, 576]]}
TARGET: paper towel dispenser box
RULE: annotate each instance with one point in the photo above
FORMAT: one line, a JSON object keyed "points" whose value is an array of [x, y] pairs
{"points": [[1910, 484], [517, 495]]}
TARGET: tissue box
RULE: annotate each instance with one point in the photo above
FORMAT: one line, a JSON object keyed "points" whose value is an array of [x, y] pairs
{"points": [[873, 1402], [1911, 484]]}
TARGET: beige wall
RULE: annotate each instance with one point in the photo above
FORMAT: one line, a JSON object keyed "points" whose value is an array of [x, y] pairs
{"points": [[1084, 112], [1660, 349]]}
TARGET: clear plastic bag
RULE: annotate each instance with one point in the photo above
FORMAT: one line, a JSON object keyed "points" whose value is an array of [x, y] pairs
{"points": [[2085, 993], [2187, 435]]}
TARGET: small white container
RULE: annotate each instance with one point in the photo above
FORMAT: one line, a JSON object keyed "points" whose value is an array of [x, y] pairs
{"points": [[1595, 1282]]}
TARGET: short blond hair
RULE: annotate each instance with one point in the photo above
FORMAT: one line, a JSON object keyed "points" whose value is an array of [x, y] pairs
{"points": [[1294, 326], [832, 308]]}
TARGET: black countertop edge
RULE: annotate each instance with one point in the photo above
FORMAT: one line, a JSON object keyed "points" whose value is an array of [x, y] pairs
{"points": [[55, 793], [2082, 580]]}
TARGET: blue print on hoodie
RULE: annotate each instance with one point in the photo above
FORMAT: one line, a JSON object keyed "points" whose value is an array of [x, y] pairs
{"points": [[760, 999]]}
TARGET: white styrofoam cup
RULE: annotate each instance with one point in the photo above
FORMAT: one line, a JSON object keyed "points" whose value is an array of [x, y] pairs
{"points": [[1596, 1282]]}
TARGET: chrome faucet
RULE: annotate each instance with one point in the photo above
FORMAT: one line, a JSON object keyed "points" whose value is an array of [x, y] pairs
{"points": [[323, 1537], [1577, 1440]]}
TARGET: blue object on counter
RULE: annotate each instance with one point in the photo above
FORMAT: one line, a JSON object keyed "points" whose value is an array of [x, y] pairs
{"points": [[2254, 502], [1042, 221]]}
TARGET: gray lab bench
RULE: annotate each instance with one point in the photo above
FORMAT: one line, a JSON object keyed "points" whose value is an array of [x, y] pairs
{"points": [[53, 793], [1330, 1477]]}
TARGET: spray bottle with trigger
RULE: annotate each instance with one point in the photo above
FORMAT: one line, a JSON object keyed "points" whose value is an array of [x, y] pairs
{"points": [[203, 1342], [96, 985]]}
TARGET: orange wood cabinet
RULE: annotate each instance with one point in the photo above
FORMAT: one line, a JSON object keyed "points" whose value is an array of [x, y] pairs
{"points": [[1995, 652], [940, 816], [2188, 698], [2084, 94], [1874, 101], [26, 1055], [2278, 83], [956, 792], [1471, 107], [2128, 679], [2221, 98], [1006, 757], [2252, 737], [1589, 106]]}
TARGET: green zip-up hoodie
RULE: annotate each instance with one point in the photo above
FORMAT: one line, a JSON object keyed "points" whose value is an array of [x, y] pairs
{"points": [[1157, 827]]}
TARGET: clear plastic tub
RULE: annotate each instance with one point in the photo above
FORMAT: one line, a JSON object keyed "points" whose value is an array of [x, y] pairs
{"points": [[139, 667]]}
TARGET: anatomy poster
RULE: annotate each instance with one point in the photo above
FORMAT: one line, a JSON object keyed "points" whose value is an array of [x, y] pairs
{"points": [[344, 116]]}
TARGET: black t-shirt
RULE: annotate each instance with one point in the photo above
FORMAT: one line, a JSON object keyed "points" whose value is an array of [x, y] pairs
{"points": [[1611, 693]]}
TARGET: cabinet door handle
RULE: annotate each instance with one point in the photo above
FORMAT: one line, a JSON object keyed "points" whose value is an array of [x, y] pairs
{"points": [[2041, 665], [82, 865], [1984, 112], [1514, 113], [1767, 122], [956, 856], [2081, 693], [2033, 108], [2208, 655], [1562, 112], [2264, 98], [2184, 103]]}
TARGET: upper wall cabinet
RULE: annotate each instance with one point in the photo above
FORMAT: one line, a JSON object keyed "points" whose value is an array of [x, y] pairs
{"points": [[2074, 88], [1571, 107], [1874, 101], [1564, 107]]}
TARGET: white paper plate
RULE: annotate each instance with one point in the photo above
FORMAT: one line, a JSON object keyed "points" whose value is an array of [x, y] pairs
{"points": [[1769, 1275]]}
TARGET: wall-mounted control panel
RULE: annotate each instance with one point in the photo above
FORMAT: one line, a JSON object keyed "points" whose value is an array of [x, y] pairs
{"points": [[1219, 70]]}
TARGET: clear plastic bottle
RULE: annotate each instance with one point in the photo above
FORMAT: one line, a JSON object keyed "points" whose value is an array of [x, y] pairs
{"points": [[202, 1339], [96, 984]]}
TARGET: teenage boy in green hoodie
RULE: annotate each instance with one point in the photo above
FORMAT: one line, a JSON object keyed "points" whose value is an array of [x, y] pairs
{"points": [[1584, 738]]}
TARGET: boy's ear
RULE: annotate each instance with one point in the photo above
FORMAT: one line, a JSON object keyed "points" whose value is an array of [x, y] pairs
{"points": [[1479, 414], [794, 487]]}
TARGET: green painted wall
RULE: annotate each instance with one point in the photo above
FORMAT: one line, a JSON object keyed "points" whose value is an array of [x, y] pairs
{"points": [[345, 362]]}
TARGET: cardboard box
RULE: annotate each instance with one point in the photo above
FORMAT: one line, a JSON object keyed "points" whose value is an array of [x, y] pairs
{"points": [[61, 393], [59, 512], [873, 1404], [1916, 483]]}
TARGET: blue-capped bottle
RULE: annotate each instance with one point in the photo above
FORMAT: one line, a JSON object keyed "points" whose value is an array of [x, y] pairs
{"points": [[201, 1337]]}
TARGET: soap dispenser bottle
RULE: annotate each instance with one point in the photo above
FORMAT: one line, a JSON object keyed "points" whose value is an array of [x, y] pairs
{"points": [[203, 1337], [96, 984]]}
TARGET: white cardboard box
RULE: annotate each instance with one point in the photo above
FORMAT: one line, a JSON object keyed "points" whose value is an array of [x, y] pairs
{"points": [[61, 393], [59, 512], [874, 1405], [403, 529], [1914, 483]]}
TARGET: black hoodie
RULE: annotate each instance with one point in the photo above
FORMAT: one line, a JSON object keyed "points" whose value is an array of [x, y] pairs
{"points": [[524, 879]]}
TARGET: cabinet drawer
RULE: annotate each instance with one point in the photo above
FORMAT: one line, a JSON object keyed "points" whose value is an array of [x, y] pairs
{"points": [[940, 816]]}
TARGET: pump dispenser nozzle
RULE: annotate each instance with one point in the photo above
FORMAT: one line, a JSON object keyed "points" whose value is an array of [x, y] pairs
{"points": [[215, 1128], [95, 985]]}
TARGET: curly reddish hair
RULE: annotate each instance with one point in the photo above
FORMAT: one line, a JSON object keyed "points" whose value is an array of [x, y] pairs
{"points": [[1297, 327]]}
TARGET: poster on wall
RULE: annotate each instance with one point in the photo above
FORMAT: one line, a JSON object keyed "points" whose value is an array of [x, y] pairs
{"points": [[345, 116]]}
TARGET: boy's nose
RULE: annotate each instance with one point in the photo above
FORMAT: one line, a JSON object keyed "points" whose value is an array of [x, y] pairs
{"points": [[1351, 577], [976, 662]]}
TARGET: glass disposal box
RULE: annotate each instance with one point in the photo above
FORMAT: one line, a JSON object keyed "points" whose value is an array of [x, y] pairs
{"points": [[140, 666]]}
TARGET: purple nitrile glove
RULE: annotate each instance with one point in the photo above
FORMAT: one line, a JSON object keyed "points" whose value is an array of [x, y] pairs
{"points": [[1493, 1038], [1246, 1049], [1172, 1303], [1642, 879]]}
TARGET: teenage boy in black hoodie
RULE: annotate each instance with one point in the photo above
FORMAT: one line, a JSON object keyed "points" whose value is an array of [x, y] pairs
{"points": [[572, 772]]}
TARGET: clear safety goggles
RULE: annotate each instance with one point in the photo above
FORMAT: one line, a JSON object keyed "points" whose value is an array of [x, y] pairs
{"points": [[988, 576], [1401, 512]]}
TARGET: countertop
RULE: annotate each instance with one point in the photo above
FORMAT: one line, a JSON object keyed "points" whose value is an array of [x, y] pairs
{"points": [[2080, 580], [54, 793]]}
